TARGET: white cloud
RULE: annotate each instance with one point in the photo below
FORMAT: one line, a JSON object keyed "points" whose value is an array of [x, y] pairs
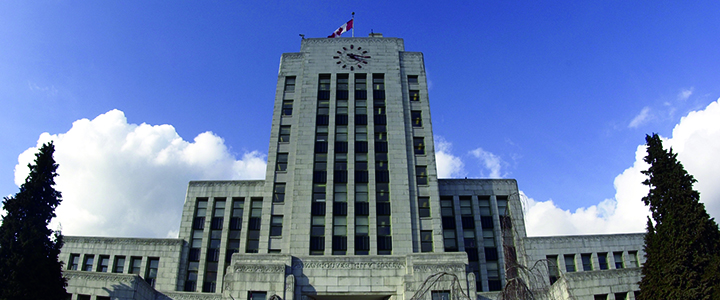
{"points": [[120, 179], [448, 165], [641, 118], [696, 140], [685, 94], [489, 161]]}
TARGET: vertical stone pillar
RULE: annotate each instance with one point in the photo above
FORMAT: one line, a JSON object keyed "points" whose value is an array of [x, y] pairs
{"points": [[472, 285], [290, 287]]}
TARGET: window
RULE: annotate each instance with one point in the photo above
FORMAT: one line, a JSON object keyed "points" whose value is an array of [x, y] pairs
{"points": [[412, 80], [285, 133], [632, 255], [424, 206], [279, 192], [253, 237], [253, 295], [83, 297], [602, 261], [276, 225], [324, 84], [74, 261], [88, 262], [416, 117], [342, 86], [282, 162], [119, 265], [620, 296], [361, 192], [421, 174], [552, 261], [378, 82], [618, 260], [570, 262], [587, 264], [450, 240], [419, 145], [440, 295], [135, 265], [104, 262], [152, 270], [287, 108], [426, 242], [341, 134], [600, 297], [290, 84], [414, 95], [362, 238]]}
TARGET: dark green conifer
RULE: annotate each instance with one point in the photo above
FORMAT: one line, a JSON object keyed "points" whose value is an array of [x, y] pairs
{"points": [[29, 250], [681, 244]]}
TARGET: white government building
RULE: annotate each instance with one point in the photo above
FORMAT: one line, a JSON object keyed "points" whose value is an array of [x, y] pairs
{"points": [[351, 208]]}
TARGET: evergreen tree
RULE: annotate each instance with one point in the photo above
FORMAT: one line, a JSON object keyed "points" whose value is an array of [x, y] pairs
{"points": [[29, 265], [681, 245]]}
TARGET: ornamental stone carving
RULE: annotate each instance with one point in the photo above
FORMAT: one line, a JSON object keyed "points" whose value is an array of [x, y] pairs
{"points": [[439, 268], [259, 269], [349, 265]]}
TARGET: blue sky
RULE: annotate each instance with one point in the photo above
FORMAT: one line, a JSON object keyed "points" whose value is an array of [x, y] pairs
{"points": [[559, 94]]}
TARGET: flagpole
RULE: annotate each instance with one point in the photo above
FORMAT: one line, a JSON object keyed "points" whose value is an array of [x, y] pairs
{"points": [[353, 29]]}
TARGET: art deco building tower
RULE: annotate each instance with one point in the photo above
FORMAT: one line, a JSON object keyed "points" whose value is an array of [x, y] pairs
{"points": [[351, 190]]}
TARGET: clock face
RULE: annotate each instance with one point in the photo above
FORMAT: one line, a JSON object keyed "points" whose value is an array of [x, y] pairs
{"points": [[351, 57]]}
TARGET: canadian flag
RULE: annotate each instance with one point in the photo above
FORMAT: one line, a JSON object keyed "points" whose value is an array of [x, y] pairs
{"points": [[344, 28]]}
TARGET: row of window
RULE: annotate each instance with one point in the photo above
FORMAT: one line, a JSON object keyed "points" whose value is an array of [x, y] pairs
{"points": [[587, 263], [618, 296], [118, 266]]}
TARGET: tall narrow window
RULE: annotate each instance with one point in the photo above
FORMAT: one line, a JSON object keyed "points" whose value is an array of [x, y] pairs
{"points": [[426, 242], [448, 222], [618, 260], [602, 261], [360, 87], [253, 237], [135, 263], [569, 262], [553, 271], [279, 193], [285, 133], [424, 206], [632, 255], [282, 162], [421, 174], [74, 262], [152, 270], [362, 238], [233, 244], [324, 87], [586, 262], [290, 84], [88, 262], [317, 235], [276, 223], [119, 264], [342, 87], [103, 263], [419, 145], [416, 117], [413, 87], [287, 108]]}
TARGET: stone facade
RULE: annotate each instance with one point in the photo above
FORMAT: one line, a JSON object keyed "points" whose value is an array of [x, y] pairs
{"points": [[351, 208]]}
